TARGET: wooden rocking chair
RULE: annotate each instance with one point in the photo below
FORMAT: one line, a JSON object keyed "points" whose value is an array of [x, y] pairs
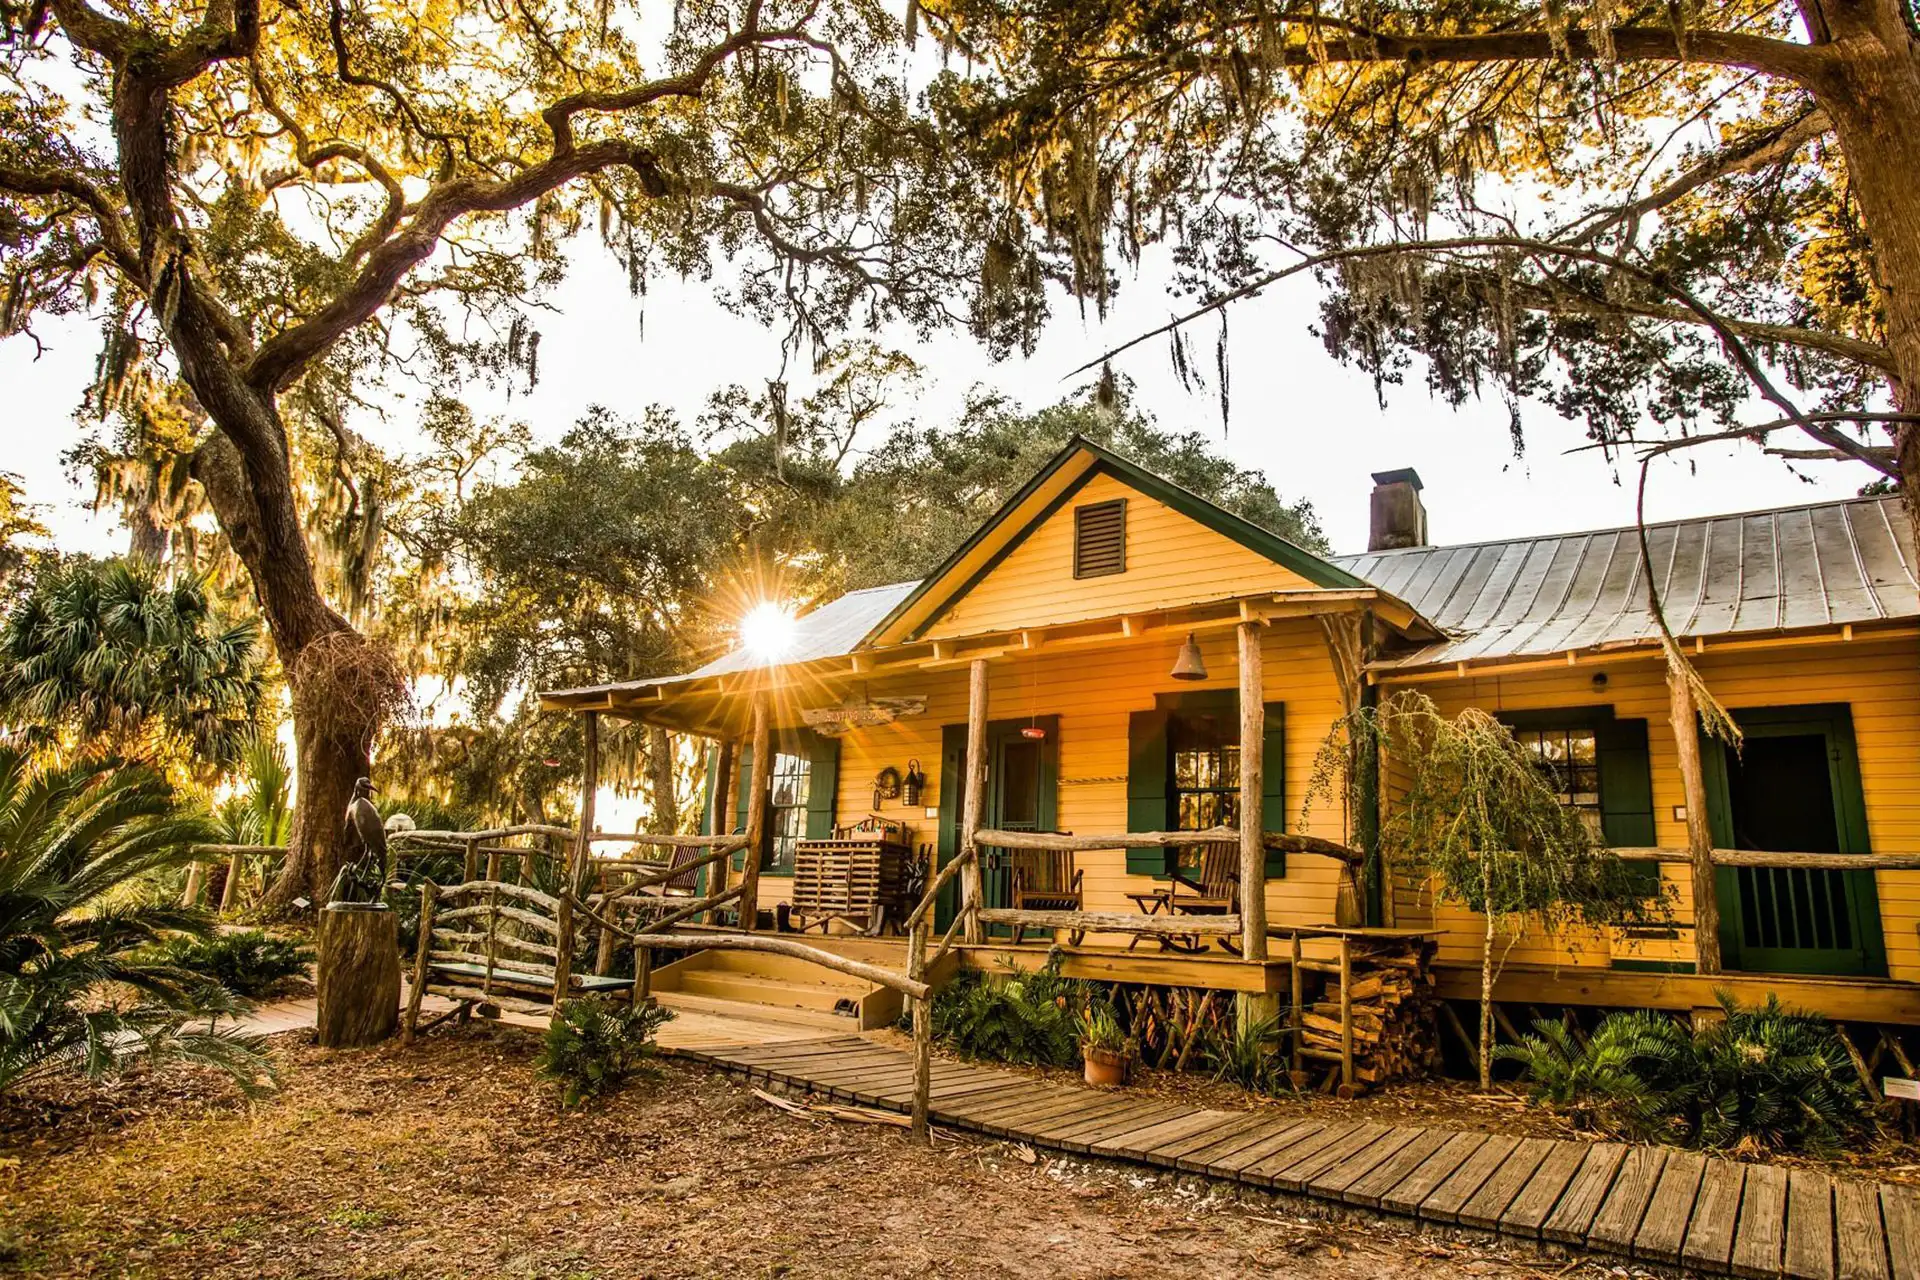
{"points": [[1216, 892], [1046, 880]]}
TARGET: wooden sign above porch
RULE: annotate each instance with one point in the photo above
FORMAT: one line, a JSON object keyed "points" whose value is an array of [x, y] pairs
{"points": [[836, 720]]}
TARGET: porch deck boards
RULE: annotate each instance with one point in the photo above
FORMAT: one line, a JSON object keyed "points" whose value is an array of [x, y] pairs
{"points": [[1717, 1216]]}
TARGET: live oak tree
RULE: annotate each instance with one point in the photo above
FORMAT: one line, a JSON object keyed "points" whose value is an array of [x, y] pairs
{"points": [[276, 206], [1629, 208]]}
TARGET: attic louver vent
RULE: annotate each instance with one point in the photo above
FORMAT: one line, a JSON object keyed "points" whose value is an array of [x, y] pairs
{"points": [[1100, 539]]}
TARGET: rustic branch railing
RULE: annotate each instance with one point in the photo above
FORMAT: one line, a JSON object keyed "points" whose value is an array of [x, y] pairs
{"points": [[1279, 841], [1793, 861], [1226, 926]]}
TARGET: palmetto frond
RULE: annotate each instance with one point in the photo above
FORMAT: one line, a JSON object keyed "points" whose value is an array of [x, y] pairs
{"points": [[109, 650], [82, 984]]}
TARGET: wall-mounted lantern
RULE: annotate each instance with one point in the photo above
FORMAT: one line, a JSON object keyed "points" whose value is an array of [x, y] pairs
{"points": [[912, 784]]}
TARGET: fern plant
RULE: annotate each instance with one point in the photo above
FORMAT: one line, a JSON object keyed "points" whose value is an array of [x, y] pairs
{"points": [[1028, 1018], [246, 962], [597, 1044]]}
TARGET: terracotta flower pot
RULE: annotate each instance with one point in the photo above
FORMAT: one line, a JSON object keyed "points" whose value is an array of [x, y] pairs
{"points": [[1106, 1067]]}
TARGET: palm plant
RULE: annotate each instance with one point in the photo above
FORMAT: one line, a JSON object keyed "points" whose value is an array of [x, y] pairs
{"points": [[261, 813], [109, 651], [1769, 1077], [81, 986], [1632, 1077]]}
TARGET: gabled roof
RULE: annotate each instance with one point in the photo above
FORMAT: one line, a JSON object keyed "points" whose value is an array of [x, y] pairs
{"points": [[1826, 564], [1049, 489]]}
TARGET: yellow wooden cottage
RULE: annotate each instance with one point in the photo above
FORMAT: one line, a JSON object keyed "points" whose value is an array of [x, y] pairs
{"points": [[1124, 662]]}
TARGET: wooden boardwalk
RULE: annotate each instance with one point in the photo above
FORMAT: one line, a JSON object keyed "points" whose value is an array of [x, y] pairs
{"points": [[1662, 1205]]}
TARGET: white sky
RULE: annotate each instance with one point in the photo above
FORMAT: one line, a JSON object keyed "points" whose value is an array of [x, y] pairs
{"points": [[1312, 425]]}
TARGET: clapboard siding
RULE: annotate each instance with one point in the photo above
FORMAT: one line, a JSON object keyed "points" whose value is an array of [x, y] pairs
{"points": [[1172, 560], [1092, 691], [1877, 679]]}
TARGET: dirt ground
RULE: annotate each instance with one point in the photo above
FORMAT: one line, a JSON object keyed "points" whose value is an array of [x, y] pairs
{"points": [[451, 1159]]}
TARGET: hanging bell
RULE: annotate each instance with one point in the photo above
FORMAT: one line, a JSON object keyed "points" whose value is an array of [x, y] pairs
{"points": [[1189, 665]]}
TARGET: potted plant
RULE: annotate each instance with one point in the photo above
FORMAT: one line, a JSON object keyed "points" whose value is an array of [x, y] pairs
{"points": [[1107, 1049]]}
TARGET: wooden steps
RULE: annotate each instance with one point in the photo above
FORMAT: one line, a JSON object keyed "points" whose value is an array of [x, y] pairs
{"points": [[760, 985], [1658, 1204]]}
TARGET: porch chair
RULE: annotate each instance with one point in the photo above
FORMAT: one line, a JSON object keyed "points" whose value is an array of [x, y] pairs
{"points": [[1216, 892], [1046, 880]]}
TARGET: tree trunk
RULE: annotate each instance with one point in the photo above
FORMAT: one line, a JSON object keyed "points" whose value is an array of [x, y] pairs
{"points": [[359, 977], [1486, 1006], [666, 805], [270, 544], [1872, 95]]}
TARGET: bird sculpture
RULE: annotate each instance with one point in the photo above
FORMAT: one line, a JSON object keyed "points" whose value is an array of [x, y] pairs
{"points": [[363, 844]]}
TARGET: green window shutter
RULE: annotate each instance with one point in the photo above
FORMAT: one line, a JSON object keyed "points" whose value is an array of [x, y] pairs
{"points": [[743, 787], [1273, 791], [1149, 771], [1626, 790], [823, 785]]}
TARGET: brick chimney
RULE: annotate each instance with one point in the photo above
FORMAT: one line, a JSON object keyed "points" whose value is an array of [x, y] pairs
{"points": [[1399, 518]]}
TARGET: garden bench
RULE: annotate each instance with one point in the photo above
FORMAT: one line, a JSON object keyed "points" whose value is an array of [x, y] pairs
{"points": [[506, 946]]}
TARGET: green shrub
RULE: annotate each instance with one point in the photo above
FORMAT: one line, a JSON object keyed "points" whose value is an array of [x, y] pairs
{"points": [[596, 1044], [1766, 1078], [1030, 1018], [247, 963]]}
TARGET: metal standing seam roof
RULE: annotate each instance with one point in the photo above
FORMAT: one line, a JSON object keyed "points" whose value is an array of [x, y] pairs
{"points": [[1821, 565], [1826, 564]]}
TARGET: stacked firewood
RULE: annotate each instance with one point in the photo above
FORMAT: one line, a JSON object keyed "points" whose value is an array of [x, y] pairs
{"points": [[1394, 1011]]}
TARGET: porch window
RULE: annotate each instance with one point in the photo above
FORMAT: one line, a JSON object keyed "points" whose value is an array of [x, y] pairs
{"points": [[1568, 757], [1205, 751], [787, 812]]}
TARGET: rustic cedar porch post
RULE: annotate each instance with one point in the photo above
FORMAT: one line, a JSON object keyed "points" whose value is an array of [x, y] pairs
{"points": [[1686, 742], [1253, 1008], [756, 807], [722, 806], [589, 788], [1253, 742], [973, 798]]}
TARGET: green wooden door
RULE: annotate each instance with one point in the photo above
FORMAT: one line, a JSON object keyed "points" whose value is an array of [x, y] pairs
{"points": [[1022, 795], [1794, 787]]}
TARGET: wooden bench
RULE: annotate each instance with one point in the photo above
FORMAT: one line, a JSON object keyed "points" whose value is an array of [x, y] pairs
{"points": [[501, 946]]}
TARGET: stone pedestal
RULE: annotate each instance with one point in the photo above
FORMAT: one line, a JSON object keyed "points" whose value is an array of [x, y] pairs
{"points": [[359, 975]]}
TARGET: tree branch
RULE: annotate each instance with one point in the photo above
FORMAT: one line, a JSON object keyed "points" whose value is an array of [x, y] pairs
{"points": [[1725, 330], [113, 231], [282, 358], [1799, 62], [1756, 151]]}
